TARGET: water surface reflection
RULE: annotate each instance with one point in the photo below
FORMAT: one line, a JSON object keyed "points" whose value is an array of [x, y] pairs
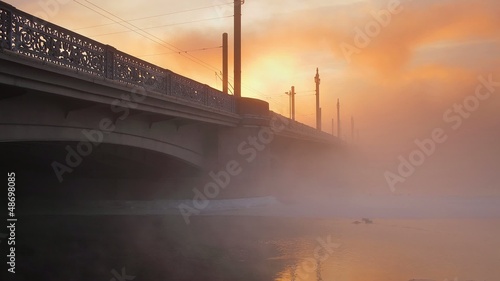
{"points": [[256, 248]]}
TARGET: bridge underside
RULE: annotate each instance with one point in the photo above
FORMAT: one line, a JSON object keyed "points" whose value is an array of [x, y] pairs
{"points": [[111, 172]]}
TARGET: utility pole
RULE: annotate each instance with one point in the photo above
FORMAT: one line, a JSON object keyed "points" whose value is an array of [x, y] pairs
{"points": [[225, 56], [292, 98], [318, 109], [237, 47], [289, 94], [338, 120]]}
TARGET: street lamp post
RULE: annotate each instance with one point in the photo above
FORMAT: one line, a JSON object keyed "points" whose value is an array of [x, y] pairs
{"points": [[237, 47]]}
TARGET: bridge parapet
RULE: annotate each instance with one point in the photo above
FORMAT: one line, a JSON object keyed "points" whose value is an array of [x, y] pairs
{"points": [[302, 130], [29, 36]]}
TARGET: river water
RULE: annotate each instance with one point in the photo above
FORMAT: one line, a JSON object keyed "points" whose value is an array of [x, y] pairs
{"points": [[256, 248]]}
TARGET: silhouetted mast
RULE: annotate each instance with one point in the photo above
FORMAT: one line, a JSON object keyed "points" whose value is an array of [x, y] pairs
{"points": [[237, 47], [292, 94], [225, 71], [318, 109], [289, 94]]}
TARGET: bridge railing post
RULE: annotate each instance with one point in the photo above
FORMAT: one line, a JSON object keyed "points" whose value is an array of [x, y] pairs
{"points": [[109, 66]]}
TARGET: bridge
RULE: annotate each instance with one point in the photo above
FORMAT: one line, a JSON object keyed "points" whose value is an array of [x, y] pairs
{"points": [[78, 113]]}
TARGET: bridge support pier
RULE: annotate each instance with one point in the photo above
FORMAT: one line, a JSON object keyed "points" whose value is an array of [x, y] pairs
{"points": [[242, 154], [249, 152]]}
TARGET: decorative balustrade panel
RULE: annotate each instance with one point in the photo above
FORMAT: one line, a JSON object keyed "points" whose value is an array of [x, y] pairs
{"points": [[187, 89], [41, 40], [33, 37], [297, 127], [134, 71], [218, 101]]}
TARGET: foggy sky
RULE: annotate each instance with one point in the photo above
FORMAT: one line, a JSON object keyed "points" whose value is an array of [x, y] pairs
{"points": [[398, 88]]}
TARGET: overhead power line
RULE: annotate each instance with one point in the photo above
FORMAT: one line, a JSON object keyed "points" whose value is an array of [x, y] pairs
{"points": [[159, 26], [155, 39], [155, 16], [146, 34], [185, 52]]}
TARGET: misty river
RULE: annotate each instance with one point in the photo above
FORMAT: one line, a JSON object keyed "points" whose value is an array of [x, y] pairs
{"points": [[231, 247]]}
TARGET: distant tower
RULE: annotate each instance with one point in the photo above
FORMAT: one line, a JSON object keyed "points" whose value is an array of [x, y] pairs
{"points": [[318, 109], [338, 120]]}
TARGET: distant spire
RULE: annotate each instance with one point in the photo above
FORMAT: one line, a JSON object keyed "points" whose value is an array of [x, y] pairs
{"points": [[318, 107]]}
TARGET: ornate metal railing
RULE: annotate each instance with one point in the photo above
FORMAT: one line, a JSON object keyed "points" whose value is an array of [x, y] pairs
{"points": [[302, 129], [33, 37]]}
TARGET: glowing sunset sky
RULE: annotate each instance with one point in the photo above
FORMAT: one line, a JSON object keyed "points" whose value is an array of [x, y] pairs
{"points": [[425, 59]]}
